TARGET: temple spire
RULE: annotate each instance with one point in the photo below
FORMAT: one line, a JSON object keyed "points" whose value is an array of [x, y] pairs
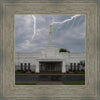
{"points": [[50, 37], [50, 28]]}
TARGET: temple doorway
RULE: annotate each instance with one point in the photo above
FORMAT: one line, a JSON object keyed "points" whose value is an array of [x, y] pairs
{"points": [[50, 66]]}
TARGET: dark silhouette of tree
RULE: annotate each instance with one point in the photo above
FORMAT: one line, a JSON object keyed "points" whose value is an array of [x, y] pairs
{"points": [[64, 50]]}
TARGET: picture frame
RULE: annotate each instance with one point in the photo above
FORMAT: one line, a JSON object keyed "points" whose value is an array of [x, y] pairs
{"points": [[8, 87]]}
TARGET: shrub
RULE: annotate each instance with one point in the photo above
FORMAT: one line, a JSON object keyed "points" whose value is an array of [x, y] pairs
{"points": [[76, 72], [32, 72], [67, 72], [18, 70], [70, 70], [82, 70], [25, 71], [28, 72]]}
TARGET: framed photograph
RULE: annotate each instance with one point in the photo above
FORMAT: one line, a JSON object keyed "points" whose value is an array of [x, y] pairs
{"points": [[49, 49], [41, 57]]}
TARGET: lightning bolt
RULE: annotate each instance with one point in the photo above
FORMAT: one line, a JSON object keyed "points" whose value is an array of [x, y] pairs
{"points": [[75, 16], [34, 20]]}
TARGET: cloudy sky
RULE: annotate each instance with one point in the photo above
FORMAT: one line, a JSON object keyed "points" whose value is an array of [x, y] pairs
{"points": [[69, 33]]}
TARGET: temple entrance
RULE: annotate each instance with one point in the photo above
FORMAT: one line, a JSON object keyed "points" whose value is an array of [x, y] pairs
{"points": [[50, 66]]}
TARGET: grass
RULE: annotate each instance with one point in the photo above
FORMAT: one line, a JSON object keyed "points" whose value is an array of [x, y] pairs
{"points": [[80, 72], [74, 83], [25, 83], [18, 72]]}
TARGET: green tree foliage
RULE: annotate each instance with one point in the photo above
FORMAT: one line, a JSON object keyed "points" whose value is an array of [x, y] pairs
{"points": [[64, 50]]}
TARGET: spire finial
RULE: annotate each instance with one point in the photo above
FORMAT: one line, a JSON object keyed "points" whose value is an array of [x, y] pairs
{"points": [[50, 27]]}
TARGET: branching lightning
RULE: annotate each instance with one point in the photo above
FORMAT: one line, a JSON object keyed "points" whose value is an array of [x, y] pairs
{"points": [[75, 16], [34, 20]]}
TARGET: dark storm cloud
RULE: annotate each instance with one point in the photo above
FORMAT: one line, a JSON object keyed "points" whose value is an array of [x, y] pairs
{"points": [[69, 35]]}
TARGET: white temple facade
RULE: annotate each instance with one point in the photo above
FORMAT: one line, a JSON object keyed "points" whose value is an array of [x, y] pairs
{"points": [[49, 60]]}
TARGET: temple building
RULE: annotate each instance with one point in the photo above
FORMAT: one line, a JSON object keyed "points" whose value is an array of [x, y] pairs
{"points": [[49, 60]]}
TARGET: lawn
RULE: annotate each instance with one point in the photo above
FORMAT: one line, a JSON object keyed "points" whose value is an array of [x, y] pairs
{"points": [[18, 72], [80, 72], [25, 83], [74, 83]]}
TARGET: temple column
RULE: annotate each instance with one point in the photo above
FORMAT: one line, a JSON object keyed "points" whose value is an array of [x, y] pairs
{"points": [[37, 70], [25, 66], [74, 66], [63, 67], [21, 66], [28, 66]]}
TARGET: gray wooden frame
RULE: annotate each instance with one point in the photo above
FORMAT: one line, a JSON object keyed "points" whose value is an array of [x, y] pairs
{"points": [[8, 87]]}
